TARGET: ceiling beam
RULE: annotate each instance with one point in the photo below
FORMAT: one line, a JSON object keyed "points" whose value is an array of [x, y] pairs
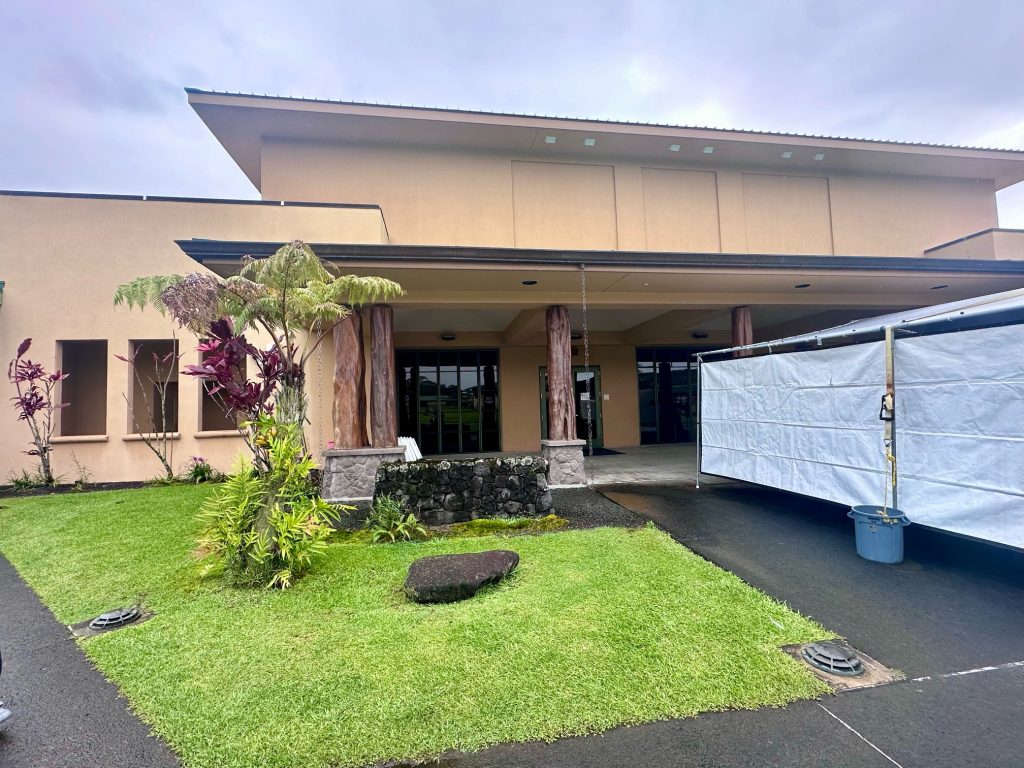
{"points": [[672, 327], [525, 327], [818, 322]]}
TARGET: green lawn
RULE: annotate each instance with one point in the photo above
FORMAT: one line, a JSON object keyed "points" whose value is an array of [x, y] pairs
{"points": [[595, 629]]}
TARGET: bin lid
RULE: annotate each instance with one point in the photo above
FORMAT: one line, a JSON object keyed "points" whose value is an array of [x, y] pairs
{"points": [[877, 512]]}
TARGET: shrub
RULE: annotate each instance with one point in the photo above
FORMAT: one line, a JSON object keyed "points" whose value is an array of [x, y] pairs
{"points": [[199, 471], [37, 405], [26, 481], [266, 529], [388, 521]]}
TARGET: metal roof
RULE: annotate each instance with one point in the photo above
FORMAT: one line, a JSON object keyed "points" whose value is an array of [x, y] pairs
{"points": [[602, 121]]}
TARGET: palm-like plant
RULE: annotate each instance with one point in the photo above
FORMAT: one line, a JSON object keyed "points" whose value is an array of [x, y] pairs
{"points": [[292, 295]]}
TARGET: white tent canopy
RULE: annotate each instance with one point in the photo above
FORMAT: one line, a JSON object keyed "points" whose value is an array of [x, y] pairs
{"points": [[1007, 306], [808, 421]]}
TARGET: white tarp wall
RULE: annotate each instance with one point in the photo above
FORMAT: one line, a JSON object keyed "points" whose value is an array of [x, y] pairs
{"points": [[960, 431], [808, 422], [802, 421]]}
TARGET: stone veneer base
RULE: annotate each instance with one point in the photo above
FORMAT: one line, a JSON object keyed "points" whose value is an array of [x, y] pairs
{"points": [[350, 474], [565, 462]]}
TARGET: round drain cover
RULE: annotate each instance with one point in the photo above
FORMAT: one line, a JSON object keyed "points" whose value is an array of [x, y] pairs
{"points": [[834, 659], [115, 619]]}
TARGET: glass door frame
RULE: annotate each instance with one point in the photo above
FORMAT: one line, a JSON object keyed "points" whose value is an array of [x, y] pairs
{"points": [[469, 362], [577, 410], [676, 355]]}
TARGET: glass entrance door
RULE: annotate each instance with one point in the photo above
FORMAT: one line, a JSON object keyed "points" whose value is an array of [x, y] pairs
{"points": [[666, 389], [587, 390], [448, 399]]}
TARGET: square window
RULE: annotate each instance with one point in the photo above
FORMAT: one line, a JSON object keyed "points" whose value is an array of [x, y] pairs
{"points": [[85, 388], [154, 391]]}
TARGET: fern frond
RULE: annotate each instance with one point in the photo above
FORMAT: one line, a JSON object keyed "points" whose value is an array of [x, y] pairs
{"points": [[355, 290], [145, 292]]}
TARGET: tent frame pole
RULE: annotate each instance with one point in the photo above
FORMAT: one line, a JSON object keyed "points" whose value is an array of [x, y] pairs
{"points": [[700, 420], [890, 425]]}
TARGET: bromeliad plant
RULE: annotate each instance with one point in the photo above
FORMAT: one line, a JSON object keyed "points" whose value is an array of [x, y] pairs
{"points": [[36, 404], [266, 529], [388, 522]]}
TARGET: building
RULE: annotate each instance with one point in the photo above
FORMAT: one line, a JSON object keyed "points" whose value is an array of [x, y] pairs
{"points": [[676, 238]]}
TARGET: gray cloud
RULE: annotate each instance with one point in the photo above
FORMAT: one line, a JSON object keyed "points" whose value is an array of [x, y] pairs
{"points": [[95, 100]]}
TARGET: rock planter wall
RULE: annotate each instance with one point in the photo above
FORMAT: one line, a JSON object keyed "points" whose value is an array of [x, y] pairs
{"points": [[442, 492]]}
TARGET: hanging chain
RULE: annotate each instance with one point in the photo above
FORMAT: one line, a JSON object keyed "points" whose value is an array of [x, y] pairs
{"points": [[589, 465]]}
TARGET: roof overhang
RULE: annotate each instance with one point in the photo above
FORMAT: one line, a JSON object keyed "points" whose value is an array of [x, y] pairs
{"points": [[471, 276], [242, 122]]}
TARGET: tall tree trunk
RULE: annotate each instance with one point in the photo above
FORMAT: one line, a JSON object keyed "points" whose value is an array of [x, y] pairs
{"points": [[383, 405], [561, 393], [742, 330], [349, 384]]}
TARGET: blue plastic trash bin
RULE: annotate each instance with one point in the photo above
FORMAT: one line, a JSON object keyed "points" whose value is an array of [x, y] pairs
{"points": [[879, 532]]}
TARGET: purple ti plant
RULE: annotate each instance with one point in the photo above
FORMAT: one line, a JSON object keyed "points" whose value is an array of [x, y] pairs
{"points": [[36, 389]]}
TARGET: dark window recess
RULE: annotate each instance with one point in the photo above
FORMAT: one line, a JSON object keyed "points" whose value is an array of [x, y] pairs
{"points": [[666, 389], [169, 410], [448, 399], [85, 389], [155, 369], [213, 413]]}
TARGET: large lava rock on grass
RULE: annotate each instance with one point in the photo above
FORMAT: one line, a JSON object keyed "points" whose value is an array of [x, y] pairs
{"points": [[449, 578]]}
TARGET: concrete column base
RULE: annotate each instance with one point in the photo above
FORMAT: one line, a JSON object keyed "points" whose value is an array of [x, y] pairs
{"points": [[565, 462], [350, 474]]}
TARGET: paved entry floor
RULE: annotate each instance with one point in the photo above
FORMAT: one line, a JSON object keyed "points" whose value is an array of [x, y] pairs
{"points": [[662, 464], [951, 617]]}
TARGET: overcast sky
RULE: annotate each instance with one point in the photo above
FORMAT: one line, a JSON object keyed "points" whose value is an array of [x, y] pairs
{"points": [[93, 98]]}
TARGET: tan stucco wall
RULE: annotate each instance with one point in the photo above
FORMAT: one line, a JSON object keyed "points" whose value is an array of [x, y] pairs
{"points": [[460, 197], [876, 216], [62, 258], [996, 244]]}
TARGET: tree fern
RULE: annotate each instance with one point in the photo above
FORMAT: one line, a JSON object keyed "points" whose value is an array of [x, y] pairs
{"points": [[145, 292]]}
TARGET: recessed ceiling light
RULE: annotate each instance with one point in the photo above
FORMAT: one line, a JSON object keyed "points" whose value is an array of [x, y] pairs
{"points": [[673, 147], [529, 282], [550, 139], [589, 142], [819, 155], [708, 150], [802, 285], [939, 287], [785, 155], [646, 284]]}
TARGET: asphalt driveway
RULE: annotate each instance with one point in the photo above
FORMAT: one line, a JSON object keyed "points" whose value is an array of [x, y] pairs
{"points": [[951, 617], [66, 714]]}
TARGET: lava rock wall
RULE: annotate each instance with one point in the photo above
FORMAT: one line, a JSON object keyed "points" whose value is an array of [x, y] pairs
{"points": [[442, 492]]}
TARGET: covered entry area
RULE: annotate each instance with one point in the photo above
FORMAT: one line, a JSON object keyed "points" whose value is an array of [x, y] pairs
{"points": [[472, 337]]}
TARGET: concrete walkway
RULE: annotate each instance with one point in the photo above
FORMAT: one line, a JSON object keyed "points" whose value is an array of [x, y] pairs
{"points": [[648, 464], [66, 714]]}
